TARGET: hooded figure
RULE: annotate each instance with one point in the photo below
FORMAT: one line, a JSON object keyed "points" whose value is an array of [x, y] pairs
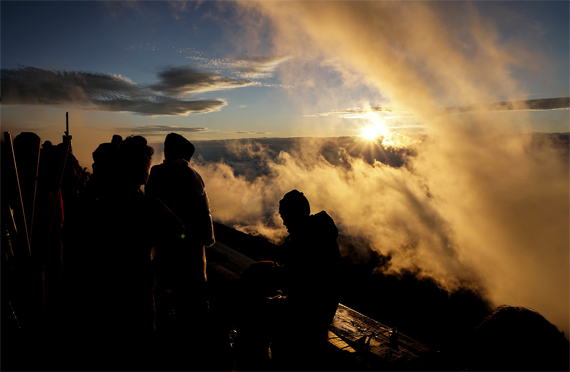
{"points": [[310, 258], [182, 189], [307, 272]]}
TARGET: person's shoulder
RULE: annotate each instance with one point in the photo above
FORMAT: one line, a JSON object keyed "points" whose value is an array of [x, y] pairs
{"points": [[324, 224], [193, 170], [157, 167], [162, 170], [322, 217]]}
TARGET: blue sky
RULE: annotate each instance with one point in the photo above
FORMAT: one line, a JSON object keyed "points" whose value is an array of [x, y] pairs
{"points": [[247, 89]]}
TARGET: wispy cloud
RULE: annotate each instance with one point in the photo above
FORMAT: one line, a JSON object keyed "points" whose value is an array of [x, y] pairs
{"points": [[258, 67], [361, 113], [142, 46], [250, 67], [107, 92], [251, 132], [541, 104]]}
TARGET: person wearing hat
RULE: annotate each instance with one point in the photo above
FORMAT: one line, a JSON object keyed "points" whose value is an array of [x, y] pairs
{"points": [[182, 190]]}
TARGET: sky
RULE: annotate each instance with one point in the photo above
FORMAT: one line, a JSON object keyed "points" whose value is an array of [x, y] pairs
{"points": [[478, 205], [216, 69]]}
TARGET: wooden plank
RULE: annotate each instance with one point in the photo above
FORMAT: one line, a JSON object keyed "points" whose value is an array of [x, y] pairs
{"points": [[339, 343], [368, 336], [221, 270], [230, 259], [350, 330]]}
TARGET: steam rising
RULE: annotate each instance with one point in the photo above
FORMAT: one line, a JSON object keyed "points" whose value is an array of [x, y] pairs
{"points": [[475, 207]]}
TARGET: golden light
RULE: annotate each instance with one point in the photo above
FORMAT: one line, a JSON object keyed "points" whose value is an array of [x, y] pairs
{"points": [[371, 133], [374, 130]]}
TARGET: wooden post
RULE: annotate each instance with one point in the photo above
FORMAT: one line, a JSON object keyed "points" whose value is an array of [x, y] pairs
{"points": [[18, 204]]}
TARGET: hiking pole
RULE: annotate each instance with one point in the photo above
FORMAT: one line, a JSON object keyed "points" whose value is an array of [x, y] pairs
{"points": [[17, 195]]}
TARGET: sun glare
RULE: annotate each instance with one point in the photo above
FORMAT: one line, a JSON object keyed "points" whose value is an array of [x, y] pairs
{"points": [[374, 130], [371, 133]]}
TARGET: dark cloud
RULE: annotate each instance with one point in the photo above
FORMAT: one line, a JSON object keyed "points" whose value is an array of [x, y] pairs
{"points": [[179, 81], [34, 86], [162, 106], [532, 104], [162, 128], [29, 85]]}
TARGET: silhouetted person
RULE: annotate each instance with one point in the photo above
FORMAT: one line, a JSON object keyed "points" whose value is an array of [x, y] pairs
{"points": [[104, 158], [26, 150], [307, 273], [44, 202], [108, 266], [47, 196], [182, 189], [515, 338]]}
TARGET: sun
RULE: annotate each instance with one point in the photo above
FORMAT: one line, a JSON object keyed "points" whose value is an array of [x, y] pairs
{"points": [[371, 132], [377, 128]]}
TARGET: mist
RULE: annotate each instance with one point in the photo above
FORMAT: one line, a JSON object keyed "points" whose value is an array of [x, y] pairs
{"points": [[473, 202], [474, 207]]}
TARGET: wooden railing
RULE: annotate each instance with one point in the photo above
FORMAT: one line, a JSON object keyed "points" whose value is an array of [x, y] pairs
{"points": [[371, 342]]}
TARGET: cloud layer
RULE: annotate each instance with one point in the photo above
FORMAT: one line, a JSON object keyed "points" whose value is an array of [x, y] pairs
{"points": [[475, 205], [34, 86], [181, 81], [155, 129]]}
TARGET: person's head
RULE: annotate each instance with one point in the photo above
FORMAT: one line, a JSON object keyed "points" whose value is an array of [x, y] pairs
{"points": [[134, 159], [27, 141], [177, 147], [116, 140], [518, 338], [26, 148], [294, 209]]}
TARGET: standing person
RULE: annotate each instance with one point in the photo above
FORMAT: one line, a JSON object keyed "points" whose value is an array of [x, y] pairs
{"points": [[182, 189], [108, 275], [104, 158]]}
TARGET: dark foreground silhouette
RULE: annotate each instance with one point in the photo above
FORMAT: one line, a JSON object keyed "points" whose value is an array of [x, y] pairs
{"points": [[78, 280], [181, 293]]}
